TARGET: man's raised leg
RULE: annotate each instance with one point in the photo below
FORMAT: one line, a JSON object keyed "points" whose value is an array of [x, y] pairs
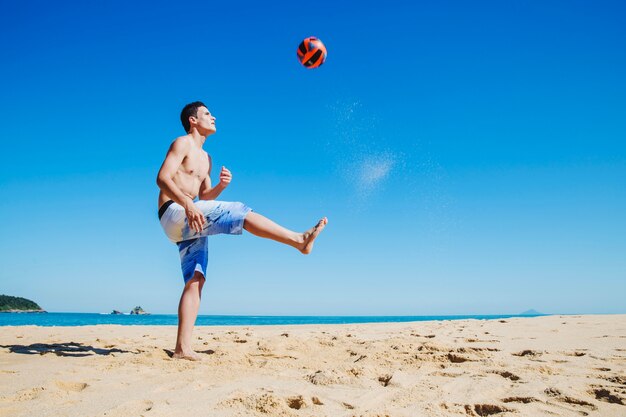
{"points": [[187, 313], [261, 226]]}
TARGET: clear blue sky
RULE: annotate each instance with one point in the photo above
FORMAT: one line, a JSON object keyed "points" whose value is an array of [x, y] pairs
{"points": [[470, 156]]}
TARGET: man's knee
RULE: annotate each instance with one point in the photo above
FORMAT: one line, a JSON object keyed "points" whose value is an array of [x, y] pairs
{"points": [[197, 281]]}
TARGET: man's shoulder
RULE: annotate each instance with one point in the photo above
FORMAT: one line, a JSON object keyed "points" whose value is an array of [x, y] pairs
{"points": [[184, 139], [182, 143]]}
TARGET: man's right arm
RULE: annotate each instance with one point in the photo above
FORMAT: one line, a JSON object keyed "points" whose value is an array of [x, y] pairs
{"points": [[165, 180]]}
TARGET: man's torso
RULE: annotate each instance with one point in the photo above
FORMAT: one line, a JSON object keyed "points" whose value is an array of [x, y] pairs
{"points": [[192, 171]]}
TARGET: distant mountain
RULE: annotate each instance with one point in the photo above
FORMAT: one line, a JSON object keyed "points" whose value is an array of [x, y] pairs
{"points": [[9, 304], [531, 312]]}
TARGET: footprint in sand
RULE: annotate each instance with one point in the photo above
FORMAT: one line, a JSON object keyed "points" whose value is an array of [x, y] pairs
{"points": [[506, 374], [575, 353], [528, 352], [296, 402], [486, 409], [559, 396], [604, 394], [524, 400], [457, 358], [620, 380], [29, 394], [71, 386], [265, 403], [130, 408]]}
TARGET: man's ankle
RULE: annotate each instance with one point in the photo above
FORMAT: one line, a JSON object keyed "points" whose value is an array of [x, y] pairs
{"points": [[183, 348]]}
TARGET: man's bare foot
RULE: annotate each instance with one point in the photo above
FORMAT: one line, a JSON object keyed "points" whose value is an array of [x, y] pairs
{"points": [[190, 356], [310, 235]]}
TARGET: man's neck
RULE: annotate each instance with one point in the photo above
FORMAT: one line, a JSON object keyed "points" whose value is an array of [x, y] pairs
{"points": [[197, 137]]}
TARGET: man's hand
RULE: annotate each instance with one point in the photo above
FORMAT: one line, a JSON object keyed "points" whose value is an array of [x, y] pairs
{"points": [[225, 177], [195, 218]]}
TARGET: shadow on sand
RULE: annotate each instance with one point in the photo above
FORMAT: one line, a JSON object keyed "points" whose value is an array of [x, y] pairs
{"points": [[62, 349]]}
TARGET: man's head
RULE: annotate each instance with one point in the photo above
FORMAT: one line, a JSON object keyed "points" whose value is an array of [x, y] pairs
{"points": [[196, 115]]}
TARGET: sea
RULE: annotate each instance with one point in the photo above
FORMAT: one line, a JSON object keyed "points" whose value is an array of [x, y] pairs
{"points": [[89, 319]]}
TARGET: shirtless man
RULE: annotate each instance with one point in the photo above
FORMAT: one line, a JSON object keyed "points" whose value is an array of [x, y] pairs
{"points": [[185, 175]]}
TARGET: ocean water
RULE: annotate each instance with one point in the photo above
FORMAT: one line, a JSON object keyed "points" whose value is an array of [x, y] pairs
{"points": [[86, 319]]}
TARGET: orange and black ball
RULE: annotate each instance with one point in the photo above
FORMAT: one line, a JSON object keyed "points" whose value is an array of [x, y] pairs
{"points": [[311, 52]]}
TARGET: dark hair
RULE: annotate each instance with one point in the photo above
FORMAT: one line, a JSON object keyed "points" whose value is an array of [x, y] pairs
{"points": [[190, 110]]}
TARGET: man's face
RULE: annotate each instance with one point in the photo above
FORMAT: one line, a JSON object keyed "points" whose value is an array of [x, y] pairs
{"points": [[205, 122]]}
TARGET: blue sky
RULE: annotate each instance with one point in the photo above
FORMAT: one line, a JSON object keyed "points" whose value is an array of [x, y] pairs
{"points": [[470, 157]]}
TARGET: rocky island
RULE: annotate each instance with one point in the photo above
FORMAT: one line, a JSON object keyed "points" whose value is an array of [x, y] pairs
{"points": [[138, 310], [9, 304]]}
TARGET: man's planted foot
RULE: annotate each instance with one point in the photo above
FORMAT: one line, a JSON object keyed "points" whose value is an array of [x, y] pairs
{"points": [[190, 356], [310, 235]]}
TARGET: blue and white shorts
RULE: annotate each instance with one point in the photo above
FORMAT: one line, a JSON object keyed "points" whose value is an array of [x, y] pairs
{"points": [[221, 218]]}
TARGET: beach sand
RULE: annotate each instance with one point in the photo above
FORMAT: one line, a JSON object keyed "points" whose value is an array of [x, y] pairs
{"points": [[543, 366]]}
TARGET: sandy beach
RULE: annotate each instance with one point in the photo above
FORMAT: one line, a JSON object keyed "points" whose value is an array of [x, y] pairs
{"points": [[552, 366]]}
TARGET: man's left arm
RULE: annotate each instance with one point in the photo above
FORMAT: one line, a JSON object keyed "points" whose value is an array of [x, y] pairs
{"points": [[211, 193]]}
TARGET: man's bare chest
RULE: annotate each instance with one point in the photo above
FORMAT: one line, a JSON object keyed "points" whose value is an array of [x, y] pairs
{"points": [[196, 164]]}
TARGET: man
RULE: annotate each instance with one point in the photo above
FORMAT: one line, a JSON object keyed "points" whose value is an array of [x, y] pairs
{"points": [[185, 175]]}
